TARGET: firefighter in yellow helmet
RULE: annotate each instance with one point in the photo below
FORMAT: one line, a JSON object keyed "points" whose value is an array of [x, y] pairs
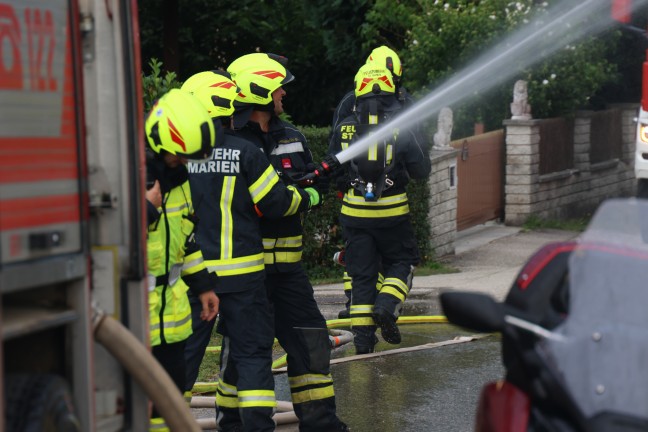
{"points": [[299, 324], [234, 188], [375, 212], [177, 129], [380, 56]]}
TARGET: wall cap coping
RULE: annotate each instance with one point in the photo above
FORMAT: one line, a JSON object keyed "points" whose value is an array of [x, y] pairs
{"points": [[625, 105], [584, 113], [590, 113], [558, 175], [511, 122], [599, 166], [441, 155]]}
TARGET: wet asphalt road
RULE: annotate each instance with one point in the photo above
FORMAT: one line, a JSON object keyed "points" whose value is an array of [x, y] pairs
{"points": [[430, 390], [435, 389]]}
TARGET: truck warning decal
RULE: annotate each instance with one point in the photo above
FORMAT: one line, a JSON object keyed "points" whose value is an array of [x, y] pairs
{"points": [[32, 60], [39, 148]]}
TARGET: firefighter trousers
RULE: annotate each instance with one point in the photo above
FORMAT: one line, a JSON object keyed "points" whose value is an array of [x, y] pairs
{"points": [[197, 343], [171, 358], [245, 395], [301, 330], [367, 249]]}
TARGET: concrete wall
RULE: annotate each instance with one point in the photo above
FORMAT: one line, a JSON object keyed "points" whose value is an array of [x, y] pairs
{"points": [[442, 215], [570, 193]]}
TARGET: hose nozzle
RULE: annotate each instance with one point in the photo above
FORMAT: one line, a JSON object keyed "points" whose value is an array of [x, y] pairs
{"points": [[328, 164]]}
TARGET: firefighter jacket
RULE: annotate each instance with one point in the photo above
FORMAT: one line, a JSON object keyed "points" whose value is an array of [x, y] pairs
{"points": [[175, 263], [287, 150], [405, 156], [346, 107], [231, 192]]}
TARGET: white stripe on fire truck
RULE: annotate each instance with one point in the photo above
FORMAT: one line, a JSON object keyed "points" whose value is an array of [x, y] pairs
{"points": [[38, 189]]}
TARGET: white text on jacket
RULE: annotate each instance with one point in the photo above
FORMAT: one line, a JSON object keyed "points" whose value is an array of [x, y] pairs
{"points": [[224, 161]]}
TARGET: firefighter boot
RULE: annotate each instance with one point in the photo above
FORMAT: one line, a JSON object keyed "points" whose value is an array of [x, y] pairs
{"points": [[387, 323], [364, 339]]}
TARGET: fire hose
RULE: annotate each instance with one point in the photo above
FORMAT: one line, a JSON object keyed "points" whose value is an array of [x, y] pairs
{"points": [[148, 373], [337, 338]]}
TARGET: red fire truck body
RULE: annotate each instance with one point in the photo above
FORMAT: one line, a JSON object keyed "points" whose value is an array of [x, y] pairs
{"points": [[71, 224]]}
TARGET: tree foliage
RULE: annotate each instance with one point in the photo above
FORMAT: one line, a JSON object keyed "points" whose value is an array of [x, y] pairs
{"points": [[328, 40], [317, 36], [438, 38]]}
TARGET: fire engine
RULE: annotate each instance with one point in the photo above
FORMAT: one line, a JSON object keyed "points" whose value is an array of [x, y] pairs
{"points": [[72, 229], [641, 149], [622, 11]]}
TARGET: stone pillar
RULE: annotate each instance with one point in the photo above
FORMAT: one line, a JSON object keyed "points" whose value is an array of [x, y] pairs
{"points": [[582, 144], [442, 214], [522, 170], [629, 113]]}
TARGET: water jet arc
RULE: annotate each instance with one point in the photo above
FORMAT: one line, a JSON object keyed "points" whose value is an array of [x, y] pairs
{"points": [[563, 24]]}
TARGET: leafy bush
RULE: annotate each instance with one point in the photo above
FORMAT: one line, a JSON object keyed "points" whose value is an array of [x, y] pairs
{"points": [[155, 84]]}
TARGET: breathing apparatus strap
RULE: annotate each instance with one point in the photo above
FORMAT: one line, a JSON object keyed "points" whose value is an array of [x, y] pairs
{"points": [[370, 169]]}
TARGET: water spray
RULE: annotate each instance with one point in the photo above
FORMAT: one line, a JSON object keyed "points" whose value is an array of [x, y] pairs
{"points": [[563, 24]]}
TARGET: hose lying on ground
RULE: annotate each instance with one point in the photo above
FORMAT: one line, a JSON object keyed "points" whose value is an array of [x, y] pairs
{"points": [[145, 369], [337, 338], [284, 415], [456, 340], [407, 319], [343, 337], [279, 418]]}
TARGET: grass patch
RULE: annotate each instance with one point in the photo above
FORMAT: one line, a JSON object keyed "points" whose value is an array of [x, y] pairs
{"points": [[578, 225], [210, 366], [434, 268]]}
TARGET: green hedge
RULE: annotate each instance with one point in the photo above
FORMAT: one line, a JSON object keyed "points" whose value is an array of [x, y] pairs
{"points": [[322, 232]]}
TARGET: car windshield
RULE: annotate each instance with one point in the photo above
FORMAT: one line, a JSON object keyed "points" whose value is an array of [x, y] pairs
{"points": [[602, 358]]}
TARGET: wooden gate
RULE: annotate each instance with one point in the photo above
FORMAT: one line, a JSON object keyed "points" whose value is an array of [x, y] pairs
{"points": [[480, 178]]}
